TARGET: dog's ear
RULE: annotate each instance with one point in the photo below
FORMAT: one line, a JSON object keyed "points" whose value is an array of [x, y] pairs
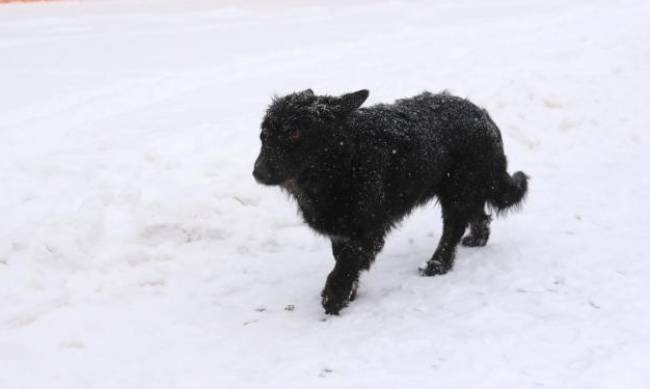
{"points": [[351, 101], [308, 92]]}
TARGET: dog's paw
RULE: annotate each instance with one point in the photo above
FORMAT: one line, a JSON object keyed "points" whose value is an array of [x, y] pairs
{"points": [[333, 302], [336, 296], [434, 267], [472, 241]]}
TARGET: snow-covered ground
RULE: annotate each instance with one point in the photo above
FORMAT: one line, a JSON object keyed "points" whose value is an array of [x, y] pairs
{"points": [[136, 251]]}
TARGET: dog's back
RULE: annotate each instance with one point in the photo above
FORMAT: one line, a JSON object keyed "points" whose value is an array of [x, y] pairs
{"points": [[421, 144]]}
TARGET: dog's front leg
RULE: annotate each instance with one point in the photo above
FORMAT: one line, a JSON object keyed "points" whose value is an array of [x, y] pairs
{"points": [[341, 286]]}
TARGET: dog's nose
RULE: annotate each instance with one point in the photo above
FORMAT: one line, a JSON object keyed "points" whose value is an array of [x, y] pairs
{"points": [[258, 176], [260, 173]]}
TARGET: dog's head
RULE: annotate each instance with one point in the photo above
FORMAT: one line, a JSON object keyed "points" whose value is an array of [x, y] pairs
{"points": [[295, 129]]}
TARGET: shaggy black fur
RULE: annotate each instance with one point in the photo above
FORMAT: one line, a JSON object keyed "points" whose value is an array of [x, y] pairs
{"points": [[355, 172]]}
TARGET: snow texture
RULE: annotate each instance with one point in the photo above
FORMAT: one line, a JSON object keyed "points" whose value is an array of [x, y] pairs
{"points": [[136, 250]]}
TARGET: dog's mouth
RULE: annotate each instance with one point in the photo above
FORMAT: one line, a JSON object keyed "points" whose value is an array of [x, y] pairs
{"points": [[269, 180], [290, 184]]}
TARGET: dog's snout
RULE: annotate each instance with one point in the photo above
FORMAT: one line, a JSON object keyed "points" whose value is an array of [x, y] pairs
{"points": [[260, 172]]}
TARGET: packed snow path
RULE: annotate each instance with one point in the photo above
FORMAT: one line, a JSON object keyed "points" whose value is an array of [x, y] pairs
{"points": [[136, 251]]}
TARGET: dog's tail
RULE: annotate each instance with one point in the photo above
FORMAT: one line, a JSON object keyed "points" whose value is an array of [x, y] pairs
{"points": [[508, 191]]}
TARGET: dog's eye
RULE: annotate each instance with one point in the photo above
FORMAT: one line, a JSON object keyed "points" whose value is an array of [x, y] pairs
{"points": [[295, 135]]}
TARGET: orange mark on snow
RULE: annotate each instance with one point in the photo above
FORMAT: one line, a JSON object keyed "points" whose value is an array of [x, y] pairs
{"points": [[23, 1]]}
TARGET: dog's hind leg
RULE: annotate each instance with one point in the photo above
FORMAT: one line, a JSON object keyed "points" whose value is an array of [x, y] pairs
{"points": [[479, 230], [454, 221]]}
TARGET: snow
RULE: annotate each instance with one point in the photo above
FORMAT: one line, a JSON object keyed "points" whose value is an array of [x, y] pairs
{"points": [[136, 250]]}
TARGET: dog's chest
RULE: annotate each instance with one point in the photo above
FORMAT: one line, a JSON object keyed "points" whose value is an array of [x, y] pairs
{"points": [[320, 208]]}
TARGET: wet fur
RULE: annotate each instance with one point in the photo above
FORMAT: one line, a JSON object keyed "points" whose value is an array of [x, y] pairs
{"points": [[356, 172]]}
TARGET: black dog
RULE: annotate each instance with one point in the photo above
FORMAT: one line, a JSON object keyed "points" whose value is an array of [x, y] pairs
{"points": [[355, 172]]}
